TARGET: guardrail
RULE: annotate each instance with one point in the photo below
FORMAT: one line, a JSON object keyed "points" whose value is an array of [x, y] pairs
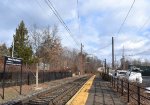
{"points": [[134, 93]]}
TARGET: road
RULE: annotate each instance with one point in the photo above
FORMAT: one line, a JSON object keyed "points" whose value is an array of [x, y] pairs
{"points": [[146, 81]]}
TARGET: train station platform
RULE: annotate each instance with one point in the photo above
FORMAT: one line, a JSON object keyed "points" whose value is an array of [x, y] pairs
{"points": [[96, 92]]}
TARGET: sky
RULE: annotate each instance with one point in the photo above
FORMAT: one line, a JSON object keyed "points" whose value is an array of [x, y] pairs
{"points": [[98, 22]]}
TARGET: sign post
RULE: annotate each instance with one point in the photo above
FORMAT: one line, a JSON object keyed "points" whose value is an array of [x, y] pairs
{"points": [[21, 81], [11, 61], [3, 76]]}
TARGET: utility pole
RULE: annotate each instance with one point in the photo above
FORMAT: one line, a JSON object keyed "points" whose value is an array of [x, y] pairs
{"points": [[81, 63], [105, 65], [112, 53], [115, 63]]}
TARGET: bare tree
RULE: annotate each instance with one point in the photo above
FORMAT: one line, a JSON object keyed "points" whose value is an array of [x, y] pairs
{"points": [[35, 39], [3, 50], [50, 48]]}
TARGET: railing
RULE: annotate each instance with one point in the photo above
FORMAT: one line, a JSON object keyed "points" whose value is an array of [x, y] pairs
{"points": [[13, 78], [134, 93]]}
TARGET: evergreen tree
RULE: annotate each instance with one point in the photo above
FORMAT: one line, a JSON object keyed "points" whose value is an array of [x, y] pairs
{"points": [[22, 49]]}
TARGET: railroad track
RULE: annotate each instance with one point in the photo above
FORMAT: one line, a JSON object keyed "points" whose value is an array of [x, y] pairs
{"points": [[60, 95]]}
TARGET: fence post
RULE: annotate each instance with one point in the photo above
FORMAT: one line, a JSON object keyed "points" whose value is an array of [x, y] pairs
{"points": [[49, 76], [138, 92], [28, 78], [43, 76], [117, 84], [128, 92], [110, 79], [121, 87], [21, 81], [114, 83], [17, 78], [3, 82]]}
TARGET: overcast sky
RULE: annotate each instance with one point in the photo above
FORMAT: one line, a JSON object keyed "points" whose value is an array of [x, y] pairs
{"points": [[99, 21]]}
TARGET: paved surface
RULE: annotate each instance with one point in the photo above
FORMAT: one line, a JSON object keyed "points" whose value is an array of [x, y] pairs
{"points": [[102, 94], [81, 96], [96, 92]]}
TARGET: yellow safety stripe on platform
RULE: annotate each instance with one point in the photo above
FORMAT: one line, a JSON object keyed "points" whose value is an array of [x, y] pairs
{"points": [[81, 96]]}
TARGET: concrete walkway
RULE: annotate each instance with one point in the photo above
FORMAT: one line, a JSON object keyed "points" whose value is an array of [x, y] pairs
{"points": [[81, 96], [102, 94], [96, 92]]}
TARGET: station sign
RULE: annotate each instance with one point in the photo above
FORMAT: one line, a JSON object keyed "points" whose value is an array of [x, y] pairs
{"points": [[13, 61]]}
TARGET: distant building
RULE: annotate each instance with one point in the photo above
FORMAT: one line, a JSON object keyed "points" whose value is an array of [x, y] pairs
{"points": [[124, 64], [122, 60], [43, 66], [101, 69]]}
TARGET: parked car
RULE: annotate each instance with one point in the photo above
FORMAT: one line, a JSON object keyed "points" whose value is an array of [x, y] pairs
{"points": [[119, 73], [134, 75]]}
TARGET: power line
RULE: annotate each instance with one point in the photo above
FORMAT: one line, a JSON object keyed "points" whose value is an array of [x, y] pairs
{"points": [[105, 47], [140, 40], [140, 29], [102, 48], [78, 16], [39, 4], [78, 19], [125, 18], [145, 23], [44, 9], [50, 5], [142, 52]]}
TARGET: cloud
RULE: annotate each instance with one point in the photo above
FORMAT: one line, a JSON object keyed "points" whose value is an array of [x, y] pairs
{"points": [[6, 36], [99, 21]]}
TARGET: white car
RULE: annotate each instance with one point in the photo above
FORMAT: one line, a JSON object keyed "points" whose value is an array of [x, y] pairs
{"points": [[120, 73], [134, 75]]}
